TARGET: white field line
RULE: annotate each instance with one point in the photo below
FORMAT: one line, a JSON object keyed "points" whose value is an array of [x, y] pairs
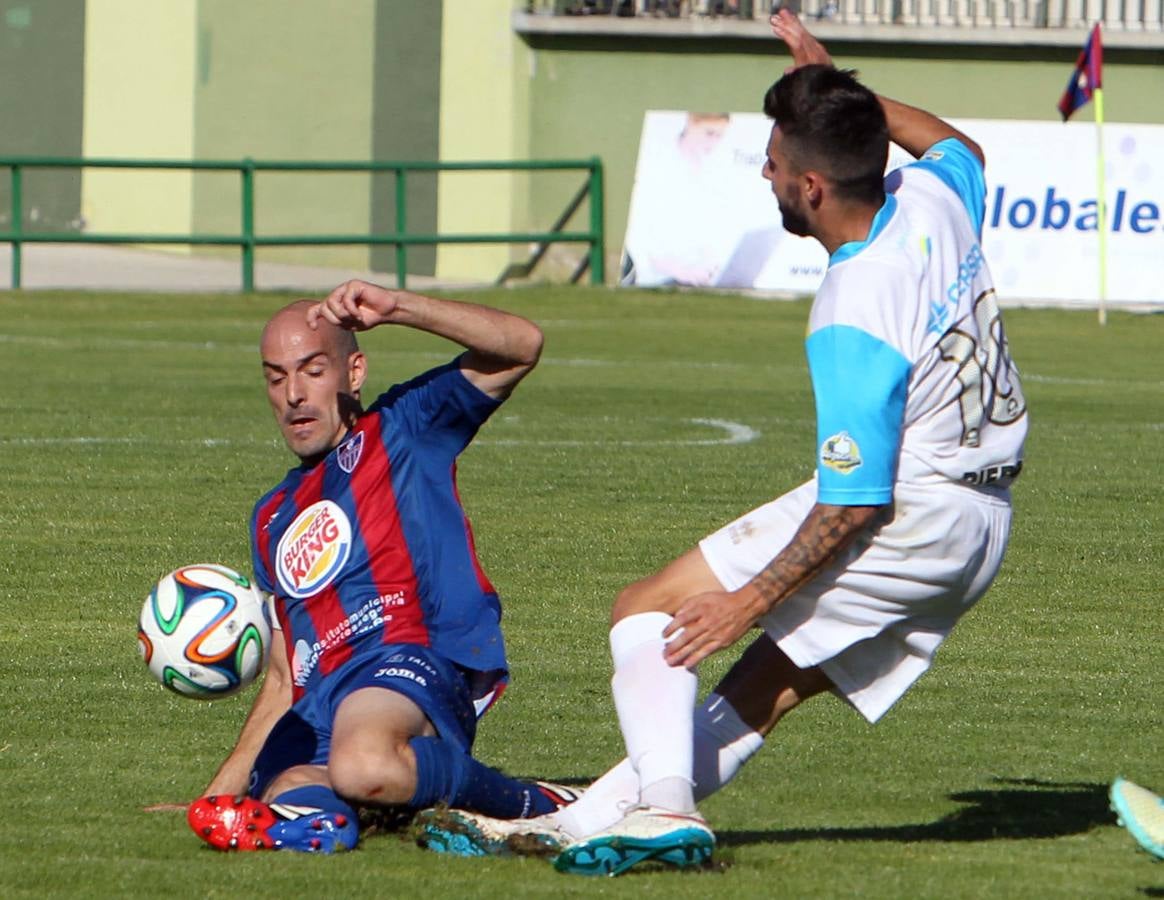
{"points": [[37, 340], [732, 433], [98, 441], [1089, 382], [580, 362]]}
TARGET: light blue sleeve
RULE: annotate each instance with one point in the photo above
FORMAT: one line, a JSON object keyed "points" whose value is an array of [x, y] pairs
{"points": [[860, 385], [960, 170]]}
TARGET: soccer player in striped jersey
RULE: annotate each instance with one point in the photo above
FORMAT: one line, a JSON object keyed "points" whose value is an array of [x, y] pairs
{"points": [[857, 576], [391, 641]]}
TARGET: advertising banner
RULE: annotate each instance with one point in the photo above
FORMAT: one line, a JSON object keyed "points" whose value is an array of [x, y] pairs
{"points": [[702, 215]]}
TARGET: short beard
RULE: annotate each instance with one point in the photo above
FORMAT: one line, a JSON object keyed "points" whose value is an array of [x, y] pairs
{"points": [[795, 223]]}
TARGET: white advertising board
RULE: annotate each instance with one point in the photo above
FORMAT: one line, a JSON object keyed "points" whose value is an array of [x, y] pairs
{"points": [[701, 214]]}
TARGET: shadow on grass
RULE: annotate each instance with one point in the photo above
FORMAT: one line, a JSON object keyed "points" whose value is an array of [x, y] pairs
{"points": [[1022, 808]]}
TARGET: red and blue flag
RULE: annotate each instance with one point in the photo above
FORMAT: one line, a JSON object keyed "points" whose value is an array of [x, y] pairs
{"points": [[1087, 77]]}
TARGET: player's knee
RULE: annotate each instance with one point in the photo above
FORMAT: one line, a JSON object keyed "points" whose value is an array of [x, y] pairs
{"points": [[383, 778], [636, 598]]}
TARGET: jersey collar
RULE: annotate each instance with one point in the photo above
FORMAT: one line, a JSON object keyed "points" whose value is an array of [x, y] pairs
{"points": [[852, 248]]}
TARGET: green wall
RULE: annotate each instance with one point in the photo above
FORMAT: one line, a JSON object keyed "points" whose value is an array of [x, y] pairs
{"points": [[362, 79], [405, 121], [299, 79], [42, 55], [588, 94], [285, 79]]}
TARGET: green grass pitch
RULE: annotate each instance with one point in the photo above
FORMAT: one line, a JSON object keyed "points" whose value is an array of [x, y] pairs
{"points": [[134, 437]]}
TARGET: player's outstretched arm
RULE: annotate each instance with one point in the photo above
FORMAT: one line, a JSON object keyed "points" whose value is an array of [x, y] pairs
{"points": [[272, 700], [503, 347], [912, 129]]}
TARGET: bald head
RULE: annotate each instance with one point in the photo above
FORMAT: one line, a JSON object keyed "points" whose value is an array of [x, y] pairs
{"points": [[294, 316], [314, 373]]}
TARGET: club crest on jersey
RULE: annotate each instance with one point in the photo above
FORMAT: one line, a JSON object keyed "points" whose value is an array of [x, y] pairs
{"points": [[313, 549], [840, 453], [349, 452]]}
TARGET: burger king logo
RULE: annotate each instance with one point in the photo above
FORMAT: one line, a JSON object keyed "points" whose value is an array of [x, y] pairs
{"points": [[313, 550]]}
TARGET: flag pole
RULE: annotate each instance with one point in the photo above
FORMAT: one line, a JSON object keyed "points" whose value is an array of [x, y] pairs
{"points": [[1101, 189], [1102, 208]]}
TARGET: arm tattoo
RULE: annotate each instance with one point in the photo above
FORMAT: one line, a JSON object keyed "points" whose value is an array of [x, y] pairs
{"points": [[826, 531]]}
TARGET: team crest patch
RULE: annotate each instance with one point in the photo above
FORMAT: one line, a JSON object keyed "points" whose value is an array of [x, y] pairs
{"points": [[313, 549], [841, 453], [349, 452]]}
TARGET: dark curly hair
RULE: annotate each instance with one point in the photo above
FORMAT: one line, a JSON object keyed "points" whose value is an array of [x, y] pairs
{"points": [[835, 125]]}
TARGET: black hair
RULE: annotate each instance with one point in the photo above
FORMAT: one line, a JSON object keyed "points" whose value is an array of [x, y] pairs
{"points": [[835, 125]]}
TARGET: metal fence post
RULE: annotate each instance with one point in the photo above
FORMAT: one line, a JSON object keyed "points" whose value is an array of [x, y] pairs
{"points": [[401, 226], [248, 224], [597, 224], [17, 224]]}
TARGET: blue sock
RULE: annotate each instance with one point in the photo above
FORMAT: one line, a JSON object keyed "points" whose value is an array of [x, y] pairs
{"points": [[445, 773], [302, 827], [313, 796]]}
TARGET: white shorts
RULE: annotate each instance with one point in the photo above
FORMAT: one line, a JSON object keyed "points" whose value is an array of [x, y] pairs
{"points": [[873, 619]]}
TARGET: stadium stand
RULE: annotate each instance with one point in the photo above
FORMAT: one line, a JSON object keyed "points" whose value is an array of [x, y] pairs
{"points": [[1137, 15]]}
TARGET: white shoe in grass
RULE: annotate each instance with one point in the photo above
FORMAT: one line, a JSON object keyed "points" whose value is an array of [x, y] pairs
{"points": [[461, 833], [1141, 812], [644, 834]]}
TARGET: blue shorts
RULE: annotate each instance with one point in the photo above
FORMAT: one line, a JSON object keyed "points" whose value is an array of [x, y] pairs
{"points": [[303, 735]]}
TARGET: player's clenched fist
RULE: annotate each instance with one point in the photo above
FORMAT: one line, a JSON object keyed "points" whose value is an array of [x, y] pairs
{"points": [[355, 304]]}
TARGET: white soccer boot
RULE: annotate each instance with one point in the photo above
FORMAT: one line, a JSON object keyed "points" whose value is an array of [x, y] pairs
{"points": [[461, 833], [1141, 812], [644, 834]]}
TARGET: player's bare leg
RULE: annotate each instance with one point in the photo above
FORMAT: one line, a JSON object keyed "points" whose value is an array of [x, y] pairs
{"points": [[371, 760], [665, 590], [729, 728], [654, 699], [654, 702], [765, 685], [386, 751]]}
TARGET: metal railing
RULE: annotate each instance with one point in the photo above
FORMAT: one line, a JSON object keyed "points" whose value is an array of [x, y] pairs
{"points": [[1116, 15], [247, 240]]}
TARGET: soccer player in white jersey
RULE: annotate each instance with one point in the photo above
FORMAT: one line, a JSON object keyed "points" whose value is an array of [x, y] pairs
{"points": [[858, 575]]}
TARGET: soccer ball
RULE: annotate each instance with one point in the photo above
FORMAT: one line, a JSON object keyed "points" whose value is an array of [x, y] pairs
{"points": [[204, 631]]}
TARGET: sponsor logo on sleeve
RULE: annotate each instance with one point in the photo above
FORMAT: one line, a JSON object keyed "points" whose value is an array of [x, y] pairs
{"points": [[313, 549], [840, 453]]}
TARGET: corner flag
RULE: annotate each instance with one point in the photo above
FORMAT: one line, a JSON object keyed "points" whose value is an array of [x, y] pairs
{"points": [[1086, 84], [1087, 77]]}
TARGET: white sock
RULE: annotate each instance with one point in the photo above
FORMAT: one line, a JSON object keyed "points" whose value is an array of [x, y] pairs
{"points": [[654, 703], [603, 803], [723, 743]]}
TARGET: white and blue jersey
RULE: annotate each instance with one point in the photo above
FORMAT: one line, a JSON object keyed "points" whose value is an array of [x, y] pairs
{"points": [[909, 362]]}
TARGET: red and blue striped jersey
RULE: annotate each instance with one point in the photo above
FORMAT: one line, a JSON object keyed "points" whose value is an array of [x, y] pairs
{"points": [[371, 546]]}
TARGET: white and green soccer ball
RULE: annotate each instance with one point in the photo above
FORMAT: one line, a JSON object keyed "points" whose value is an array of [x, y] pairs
{"points": [[205, 631]]}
